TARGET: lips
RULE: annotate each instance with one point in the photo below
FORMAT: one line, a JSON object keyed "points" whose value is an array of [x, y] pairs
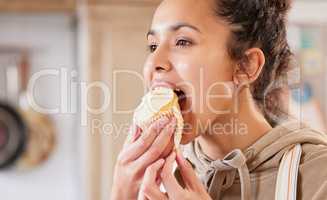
{"points": [[184, 102], [178, 91]]}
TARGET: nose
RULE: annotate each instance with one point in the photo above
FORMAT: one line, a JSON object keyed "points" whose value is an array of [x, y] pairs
{"points": [[159, 61], [160, 68]]}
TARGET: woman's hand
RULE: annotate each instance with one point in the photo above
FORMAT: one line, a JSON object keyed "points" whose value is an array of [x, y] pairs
{"points": [[154, 174], [139, 152]]}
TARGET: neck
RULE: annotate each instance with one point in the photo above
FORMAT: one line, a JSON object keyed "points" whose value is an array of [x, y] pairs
{"points": [[235, 131]]}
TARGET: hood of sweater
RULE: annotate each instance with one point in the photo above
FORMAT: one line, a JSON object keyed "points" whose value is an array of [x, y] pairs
{"points": [[238, 165]]}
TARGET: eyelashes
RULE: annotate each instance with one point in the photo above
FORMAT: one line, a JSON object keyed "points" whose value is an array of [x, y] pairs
{"points": [[151, 48], [183, 43], [180, 43]]}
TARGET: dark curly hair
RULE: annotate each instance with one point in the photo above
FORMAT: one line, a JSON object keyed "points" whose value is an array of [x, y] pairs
{"points": [[262, 24]]}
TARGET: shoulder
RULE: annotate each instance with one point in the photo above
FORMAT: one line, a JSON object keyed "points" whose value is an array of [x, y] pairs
{"points": [[313, 171], [314, 149], [313, 153], [313, 144]]}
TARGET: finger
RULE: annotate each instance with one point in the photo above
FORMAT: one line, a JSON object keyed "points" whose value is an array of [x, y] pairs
{"points": [[141, 196], [136, 149], [158, 179], [174, 190], [133, 133], [188, 174], [157, 195], [158, 146], [149, 189], [151, 172]]}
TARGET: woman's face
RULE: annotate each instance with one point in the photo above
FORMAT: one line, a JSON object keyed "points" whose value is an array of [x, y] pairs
{"points": [[188, 51]]}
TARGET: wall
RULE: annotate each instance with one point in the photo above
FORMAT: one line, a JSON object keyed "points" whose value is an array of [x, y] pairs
{"points": [[52, 41], [115, 44]]}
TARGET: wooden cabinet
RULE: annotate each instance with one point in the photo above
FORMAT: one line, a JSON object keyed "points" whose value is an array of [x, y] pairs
{"points": [[37, 5]]}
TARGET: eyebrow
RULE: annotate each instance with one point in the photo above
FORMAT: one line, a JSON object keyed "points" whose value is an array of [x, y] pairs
{"points": [[174, 28]]}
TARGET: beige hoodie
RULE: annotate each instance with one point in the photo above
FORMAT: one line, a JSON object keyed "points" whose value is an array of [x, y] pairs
{"points": [[252, 173]]}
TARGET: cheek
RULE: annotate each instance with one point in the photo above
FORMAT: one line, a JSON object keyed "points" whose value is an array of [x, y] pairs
{"points": [[205, 84], [147, 73], [208, 79], [219, 97], [210, 86]]}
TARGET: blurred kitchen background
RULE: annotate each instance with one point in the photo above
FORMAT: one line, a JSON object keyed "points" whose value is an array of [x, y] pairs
{"points": [[54, 52]]}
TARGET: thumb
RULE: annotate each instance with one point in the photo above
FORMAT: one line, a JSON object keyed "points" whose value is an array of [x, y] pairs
{"points": [[189, 177]]}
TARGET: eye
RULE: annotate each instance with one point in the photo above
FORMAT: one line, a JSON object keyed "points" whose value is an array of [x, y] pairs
{"points": [[183, 43], [152, 47]]}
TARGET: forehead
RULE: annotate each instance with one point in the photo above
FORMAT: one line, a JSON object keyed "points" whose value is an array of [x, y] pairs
{"points": [[198, 13]]}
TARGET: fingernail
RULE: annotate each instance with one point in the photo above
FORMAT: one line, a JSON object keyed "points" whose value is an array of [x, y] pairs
{"points": [[135, 132], [174, 120], [162, 121]]}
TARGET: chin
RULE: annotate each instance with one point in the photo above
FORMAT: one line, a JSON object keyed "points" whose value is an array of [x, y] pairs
{"points": [[188, 137]]}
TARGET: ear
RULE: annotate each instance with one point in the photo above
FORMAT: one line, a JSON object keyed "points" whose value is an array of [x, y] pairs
{"points": [[251, 67]]}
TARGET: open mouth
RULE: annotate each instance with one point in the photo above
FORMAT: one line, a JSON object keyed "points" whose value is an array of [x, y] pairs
{"points": [[181, 98]]}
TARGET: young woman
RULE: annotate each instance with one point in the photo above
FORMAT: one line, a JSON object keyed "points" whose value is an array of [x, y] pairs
{"points": [[230, 59]]}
